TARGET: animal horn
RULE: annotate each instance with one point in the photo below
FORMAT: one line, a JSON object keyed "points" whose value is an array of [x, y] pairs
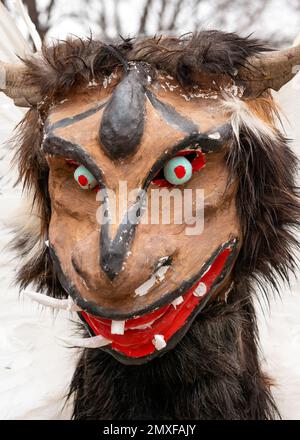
{"points": [[13, 84], [48, 301], [270, 70], [91, 342]]}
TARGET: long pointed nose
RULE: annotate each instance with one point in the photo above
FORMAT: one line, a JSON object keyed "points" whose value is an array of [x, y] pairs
{"points": [[114, 251]]}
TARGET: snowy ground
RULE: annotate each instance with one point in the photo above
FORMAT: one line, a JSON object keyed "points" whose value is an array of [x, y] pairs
{"points": [[35, 367]]}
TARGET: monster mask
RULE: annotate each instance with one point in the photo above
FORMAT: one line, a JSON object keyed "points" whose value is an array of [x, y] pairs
{"points": [[181, 127]]}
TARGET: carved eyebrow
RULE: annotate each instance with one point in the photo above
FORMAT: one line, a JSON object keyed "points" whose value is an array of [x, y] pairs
{"points": [[60, 147], [210, 142], [73, 119], [171, 116]]}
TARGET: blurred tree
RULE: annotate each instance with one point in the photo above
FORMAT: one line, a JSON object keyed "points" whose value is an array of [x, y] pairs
{"points": [[110, 18]]}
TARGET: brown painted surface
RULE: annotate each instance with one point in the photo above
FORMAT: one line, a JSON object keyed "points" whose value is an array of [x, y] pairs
{"points": [[74, 231]]}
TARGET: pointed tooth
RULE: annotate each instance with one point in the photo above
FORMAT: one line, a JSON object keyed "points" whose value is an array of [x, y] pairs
{"points": [[200, 290], [55, 303], [177, 301], [161, 272], [117, 327], [159, 342], [93, 342], [146, 286]]}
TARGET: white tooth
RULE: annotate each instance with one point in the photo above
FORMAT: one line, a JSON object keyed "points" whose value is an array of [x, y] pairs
{"points": [[200, 290], [93, 342], [48, 301], [214, 135], [117, 327], [161, 272], [47, 243], [159, 342], [159, 275], [144, 288], [177, 301]]}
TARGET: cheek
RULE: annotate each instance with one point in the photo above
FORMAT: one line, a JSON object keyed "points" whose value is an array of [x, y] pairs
{"points": [[73, 217], [68, 200]]}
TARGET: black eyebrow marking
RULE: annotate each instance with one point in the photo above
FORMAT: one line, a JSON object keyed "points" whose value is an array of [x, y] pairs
{"points": [[66, 149], [73, 119], [171, 116], [208, 142]]}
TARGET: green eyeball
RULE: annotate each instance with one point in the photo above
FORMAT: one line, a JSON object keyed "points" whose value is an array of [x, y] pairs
{"points": [[178, 170], [84, 178]]}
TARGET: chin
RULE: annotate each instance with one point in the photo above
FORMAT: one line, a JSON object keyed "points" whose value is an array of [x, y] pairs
{"points": [[145, 336]]}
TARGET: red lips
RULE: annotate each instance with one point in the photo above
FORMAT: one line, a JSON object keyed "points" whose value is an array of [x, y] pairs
{"points": [[167, 319]]}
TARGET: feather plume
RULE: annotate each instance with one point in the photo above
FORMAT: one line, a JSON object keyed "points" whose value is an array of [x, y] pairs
{"points": [[29, 24], [12, 42]]}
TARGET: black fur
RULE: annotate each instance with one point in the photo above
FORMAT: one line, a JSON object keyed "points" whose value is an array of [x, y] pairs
{"points": [[76, 61], [268, 205]]}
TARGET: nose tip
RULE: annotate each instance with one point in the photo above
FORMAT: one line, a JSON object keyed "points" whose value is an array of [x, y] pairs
{"points": [[113, 253], [111, 263]]}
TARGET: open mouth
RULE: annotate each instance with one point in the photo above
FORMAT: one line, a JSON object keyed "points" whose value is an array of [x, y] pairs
{"points": [[141, 338]]}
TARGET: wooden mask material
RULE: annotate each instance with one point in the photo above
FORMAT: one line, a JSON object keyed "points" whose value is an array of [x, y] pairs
{"points": [[140, 284]]}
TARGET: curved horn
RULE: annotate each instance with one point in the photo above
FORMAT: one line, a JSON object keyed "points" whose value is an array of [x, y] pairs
{"points": [[13, 84], [270, 70]]}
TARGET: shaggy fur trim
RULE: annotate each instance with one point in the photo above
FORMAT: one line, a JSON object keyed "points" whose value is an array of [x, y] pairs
{"points": [[268, 206], [25, 222], [77, 61], [209, 52], [36, 267]]}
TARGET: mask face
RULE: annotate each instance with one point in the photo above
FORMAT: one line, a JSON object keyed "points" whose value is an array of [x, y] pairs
{"points": [[144, 229]]}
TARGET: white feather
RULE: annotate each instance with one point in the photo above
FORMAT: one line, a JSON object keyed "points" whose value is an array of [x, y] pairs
{"points": [[32, 385], [242, 116], [30, 26], [12, 42]]}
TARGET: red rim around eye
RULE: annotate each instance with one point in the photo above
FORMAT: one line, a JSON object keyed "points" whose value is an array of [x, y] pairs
{"points": [[72, 163], [197, 162]]}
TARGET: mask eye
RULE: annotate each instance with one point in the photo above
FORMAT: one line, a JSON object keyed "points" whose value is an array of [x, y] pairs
{"points": [[179, 169], [84, 178]]}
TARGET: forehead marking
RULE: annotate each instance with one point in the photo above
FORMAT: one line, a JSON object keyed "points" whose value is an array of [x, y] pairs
{"points": [[76, 118], [171, 116]]}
